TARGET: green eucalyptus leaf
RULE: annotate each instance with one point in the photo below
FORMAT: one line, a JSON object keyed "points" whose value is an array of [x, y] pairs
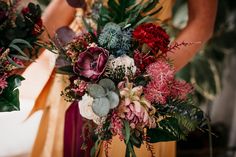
{"points": [[96, 91], [101, 106], [107, 84], [113, 99]]}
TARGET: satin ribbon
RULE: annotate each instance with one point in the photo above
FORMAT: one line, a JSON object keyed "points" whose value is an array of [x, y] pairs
{"points": [[73, 139]]}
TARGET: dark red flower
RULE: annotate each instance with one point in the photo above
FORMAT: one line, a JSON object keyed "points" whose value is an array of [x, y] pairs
{"points": [[38, 26], [25, 11], [91, 63], [142, 60], [152, 35]]}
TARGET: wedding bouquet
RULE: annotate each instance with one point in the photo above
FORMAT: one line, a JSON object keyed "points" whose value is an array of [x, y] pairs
{"points": [[19, 30], [121, 79]]}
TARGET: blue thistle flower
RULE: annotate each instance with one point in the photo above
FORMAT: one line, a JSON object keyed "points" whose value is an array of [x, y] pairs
{"points": [[115, 39]]}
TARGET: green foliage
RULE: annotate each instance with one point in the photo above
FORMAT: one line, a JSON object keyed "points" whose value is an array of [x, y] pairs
{"points": [[101, 106], [178, 119], [105, 97], [9, 99], [128, 12]]}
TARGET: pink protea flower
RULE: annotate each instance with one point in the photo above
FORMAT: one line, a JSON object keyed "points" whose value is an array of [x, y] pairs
{"points": [[135, 108], [116, 125], [180, 89], [3, 82]]}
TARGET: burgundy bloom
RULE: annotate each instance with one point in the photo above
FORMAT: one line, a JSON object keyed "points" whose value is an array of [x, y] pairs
{"points": [[142, 60], [25, 11], [154, 36], [91, 63], [38, 27]]}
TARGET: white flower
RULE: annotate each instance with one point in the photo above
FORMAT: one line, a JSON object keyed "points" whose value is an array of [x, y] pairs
{"points": [[86, 111], [123, 60]]}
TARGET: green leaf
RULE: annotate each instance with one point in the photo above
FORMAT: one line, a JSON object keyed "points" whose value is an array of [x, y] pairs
{"points": [[101, 106], [21, 41], [14, 63], [21, 57], [150, 4], [113, 5], [89, 28], [168, 129], [131, 149], [113, 99], [9, 98], [107, 84], [18, 49], [127, 131], [65, 70], [136, 141], [96, 91]]}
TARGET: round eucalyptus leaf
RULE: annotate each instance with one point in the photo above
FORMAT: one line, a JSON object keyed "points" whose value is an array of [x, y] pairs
{"points": [[96, 90], [107, 84], [113, 99], [101, 106]]}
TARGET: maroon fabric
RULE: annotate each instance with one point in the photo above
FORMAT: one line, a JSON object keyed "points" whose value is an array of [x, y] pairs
{"points": [[72, 133]]}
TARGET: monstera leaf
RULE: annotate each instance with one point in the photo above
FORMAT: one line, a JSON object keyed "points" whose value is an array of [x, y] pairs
{"points": [[9, 98]]}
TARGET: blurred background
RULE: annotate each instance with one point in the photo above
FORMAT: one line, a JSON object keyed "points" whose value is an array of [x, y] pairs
{"points": [[213, 73]]}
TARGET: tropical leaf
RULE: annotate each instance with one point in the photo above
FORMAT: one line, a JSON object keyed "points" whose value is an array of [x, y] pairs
{"points": [[9, 99]]}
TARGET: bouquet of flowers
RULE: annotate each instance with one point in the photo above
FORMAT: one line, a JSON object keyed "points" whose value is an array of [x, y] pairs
{"points": [[19, 31], [121, 80]]}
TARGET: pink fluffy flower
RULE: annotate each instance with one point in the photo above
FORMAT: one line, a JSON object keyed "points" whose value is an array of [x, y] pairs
{"points": [[157, 91], [117, 125], [180, 89], [3, 82], [162, 75], [163, 84], [161, 71]]}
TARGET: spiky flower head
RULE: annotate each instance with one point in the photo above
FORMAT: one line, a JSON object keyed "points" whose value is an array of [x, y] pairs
{"points": [[116, 39]]}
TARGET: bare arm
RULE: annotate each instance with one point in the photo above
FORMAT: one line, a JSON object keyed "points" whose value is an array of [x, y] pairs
{"points": [[200, 27]]}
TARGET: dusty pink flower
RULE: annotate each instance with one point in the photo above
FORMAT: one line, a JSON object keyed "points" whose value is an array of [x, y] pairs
{"points": [[3, 82], [135, 108], [180, 89], [91, 63]]}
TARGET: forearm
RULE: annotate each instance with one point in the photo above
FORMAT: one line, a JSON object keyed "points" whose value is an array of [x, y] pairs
{"points": [[199, 29]]}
